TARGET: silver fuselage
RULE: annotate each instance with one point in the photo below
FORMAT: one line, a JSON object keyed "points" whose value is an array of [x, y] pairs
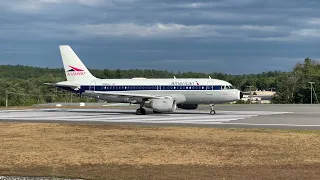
{"points": [[186, 91]]}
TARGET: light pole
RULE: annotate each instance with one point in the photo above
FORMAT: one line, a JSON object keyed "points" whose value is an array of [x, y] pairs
{"points": [[6, 98], [311, 83], [250, 92]]}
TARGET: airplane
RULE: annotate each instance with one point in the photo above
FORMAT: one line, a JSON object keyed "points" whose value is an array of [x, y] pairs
{"points": [[162, 95]]}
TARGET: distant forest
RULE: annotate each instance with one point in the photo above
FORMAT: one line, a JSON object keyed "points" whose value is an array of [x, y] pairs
{"points": [[24, 84]]}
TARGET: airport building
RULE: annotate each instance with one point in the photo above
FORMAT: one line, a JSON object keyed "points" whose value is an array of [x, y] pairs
{"points": [[258, 96]]}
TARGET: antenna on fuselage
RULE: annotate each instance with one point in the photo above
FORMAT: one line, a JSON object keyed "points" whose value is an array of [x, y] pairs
{"points": [[209, 77], [174, 77]]}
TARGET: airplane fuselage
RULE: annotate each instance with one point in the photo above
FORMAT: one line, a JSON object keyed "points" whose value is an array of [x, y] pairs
{"points": [[186, 91]]}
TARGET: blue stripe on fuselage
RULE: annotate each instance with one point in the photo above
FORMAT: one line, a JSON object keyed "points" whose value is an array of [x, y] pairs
{"points": [[145, 88]]}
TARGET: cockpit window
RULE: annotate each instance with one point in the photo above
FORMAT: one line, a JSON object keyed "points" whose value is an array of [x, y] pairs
{"points": [[227, 87], [230, 87]]}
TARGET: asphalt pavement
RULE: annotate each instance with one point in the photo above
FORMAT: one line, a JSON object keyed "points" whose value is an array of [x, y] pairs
{"points": [[305, 117]]}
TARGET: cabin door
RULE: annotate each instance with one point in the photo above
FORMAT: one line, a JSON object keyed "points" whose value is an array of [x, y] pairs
{"points": [[92, 86], [209, 88]]}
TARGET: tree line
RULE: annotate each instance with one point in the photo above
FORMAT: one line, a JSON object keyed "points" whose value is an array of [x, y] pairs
{"points": [[24, 84]]}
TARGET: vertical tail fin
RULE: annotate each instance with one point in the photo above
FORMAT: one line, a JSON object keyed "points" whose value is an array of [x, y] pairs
{"points": [[73, 66]]}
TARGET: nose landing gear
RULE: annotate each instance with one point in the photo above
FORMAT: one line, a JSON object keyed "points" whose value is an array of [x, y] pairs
{"points": [[212, 111]]}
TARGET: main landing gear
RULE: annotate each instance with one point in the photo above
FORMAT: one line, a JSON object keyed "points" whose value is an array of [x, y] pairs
{"points": [[212, 111], [141, 111]]}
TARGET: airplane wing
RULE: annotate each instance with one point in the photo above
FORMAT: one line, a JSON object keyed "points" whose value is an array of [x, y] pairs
{"points": [[124, 94]]}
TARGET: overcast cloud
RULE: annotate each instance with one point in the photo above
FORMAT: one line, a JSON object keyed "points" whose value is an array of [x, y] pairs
{"points": [[231, 36]]}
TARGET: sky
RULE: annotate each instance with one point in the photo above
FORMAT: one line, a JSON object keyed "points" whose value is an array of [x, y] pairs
{"points": [[228, 36]]}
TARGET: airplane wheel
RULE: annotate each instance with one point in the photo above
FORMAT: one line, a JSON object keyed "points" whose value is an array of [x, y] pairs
{"points": [[141, 111], [212, 112]]}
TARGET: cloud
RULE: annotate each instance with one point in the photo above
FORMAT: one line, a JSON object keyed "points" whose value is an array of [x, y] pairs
{"points": [[250, 19], [196, 5], [134, 30], [232, 31], [183, 61], [149, 30], [36, 6], [313, 21]]}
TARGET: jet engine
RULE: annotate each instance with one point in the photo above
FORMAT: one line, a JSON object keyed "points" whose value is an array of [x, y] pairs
{"points": [[187, 106], [162, 105]]}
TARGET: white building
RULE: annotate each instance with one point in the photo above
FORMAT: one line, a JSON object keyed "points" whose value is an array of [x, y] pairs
{"points": [[258, 96]]}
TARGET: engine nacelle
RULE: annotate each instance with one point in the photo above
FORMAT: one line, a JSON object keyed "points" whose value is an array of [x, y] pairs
{"points": [[162, 105], [187, 106]]}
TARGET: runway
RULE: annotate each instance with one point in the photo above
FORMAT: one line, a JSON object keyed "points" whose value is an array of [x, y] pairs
{"points": [[257, 116]]}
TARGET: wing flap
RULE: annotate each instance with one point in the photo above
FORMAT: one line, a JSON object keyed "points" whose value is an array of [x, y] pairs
{"points": [[123, 94]]}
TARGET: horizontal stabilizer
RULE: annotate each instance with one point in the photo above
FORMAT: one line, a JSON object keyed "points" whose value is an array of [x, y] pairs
{"points": [[62, 85]]}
